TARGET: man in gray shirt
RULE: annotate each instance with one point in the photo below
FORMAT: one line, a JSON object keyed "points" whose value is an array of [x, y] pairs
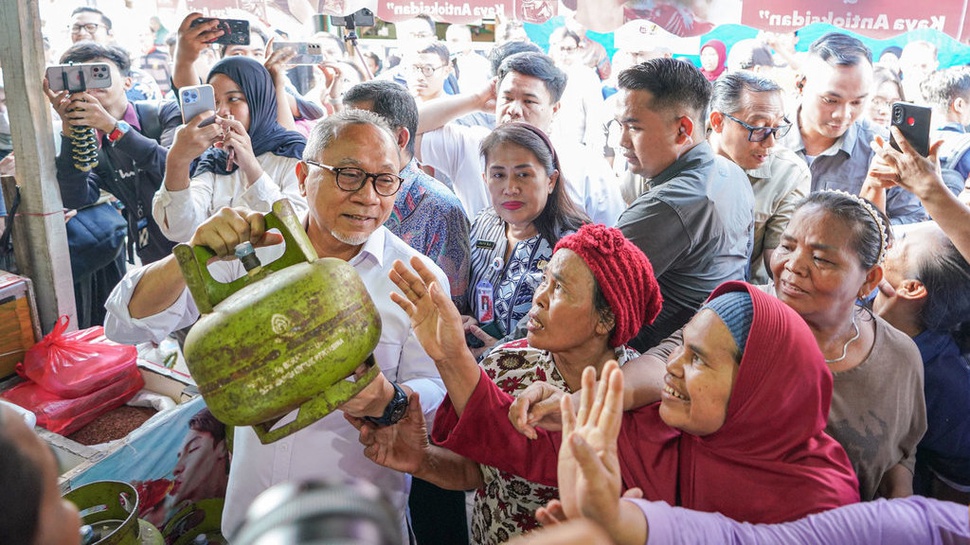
{"points": [[695, 221], [828, 132]]}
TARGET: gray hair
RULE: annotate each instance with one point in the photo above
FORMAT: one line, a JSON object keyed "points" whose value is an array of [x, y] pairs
{"points": [[728, 91], [942, 87], [325, 132]]}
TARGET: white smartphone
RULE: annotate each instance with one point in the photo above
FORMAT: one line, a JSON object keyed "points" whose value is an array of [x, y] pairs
{"points": [[306, 52], [195, 100], [78, 77]]}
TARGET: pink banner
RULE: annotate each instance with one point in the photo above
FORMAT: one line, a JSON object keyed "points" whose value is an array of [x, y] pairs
{"points": [[877, 19]]}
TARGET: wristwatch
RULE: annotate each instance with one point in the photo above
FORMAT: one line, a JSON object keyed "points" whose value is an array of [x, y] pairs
{"points": [[121, 129], [394, 411]]}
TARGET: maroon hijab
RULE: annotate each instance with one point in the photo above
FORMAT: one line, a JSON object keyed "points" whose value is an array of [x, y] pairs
{"points": [[771, 461], [721, 49]]}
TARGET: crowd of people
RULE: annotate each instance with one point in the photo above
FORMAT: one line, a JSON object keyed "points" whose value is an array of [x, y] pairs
{"points": [[759, 307]]}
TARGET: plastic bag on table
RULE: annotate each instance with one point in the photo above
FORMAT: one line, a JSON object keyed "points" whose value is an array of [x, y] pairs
{"points": [[65, 416], [77, 363]]}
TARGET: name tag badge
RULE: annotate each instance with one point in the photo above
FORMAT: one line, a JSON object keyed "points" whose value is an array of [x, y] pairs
{"points": [[483, 293], [485, 244]]}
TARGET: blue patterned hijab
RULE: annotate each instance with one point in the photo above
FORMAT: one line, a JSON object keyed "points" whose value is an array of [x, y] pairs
{"points": [[265, 132]]}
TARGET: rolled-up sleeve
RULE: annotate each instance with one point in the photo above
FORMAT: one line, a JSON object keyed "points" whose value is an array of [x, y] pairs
{"points": [[120, 327]]}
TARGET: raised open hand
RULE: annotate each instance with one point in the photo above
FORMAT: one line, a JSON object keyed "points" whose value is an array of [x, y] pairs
{"points": [[434, 318], [589, 469]]}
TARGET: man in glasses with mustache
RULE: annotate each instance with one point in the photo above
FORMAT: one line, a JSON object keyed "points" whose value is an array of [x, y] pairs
{"points": [[747, 120]]}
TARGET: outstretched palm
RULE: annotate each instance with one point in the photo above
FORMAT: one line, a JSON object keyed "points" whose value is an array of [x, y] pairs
{"points": [[434, 318], [589, 472]]}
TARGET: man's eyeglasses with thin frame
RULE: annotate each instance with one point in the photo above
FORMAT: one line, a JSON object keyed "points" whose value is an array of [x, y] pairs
{"points": [[352, 179], [90, 28], [760, 134], [425, 69]]}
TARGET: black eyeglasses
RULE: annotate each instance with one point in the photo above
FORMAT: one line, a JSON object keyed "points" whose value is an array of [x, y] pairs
{"points": [[353, 178], [90, 28], [760, 134], [426, 70]]}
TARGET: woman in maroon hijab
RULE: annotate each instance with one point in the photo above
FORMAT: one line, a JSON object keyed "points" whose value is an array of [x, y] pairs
{"points": [[739, 429], [713, 59]]}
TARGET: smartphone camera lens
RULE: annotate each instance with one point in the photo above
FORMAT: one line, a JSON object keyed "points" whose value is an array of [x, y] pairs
{"points": [[897, 115]]}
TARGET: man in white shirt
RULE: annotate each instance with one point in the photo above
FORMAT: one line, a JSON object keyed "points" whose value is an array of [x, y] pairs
{"points": [[347, 211], [528, 89]]}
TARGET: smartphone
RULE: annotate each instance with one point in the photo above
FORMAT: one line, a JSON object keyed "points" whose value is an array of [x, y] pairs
{"points": [[361, 17], [234, 31], [79, 77], [195, 100], [306, 52], [914, 122]]}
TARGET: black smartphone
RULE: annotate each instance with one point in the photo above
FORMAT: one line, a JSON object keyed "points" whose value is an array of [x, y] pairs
{"points": [[234, 31], [361, 17], [78, 77], [914, 122]]}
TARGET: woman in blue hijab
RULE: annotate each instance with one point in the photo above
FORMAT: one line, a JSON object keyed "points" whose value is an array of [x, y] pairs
{"points": [[243, 158]]}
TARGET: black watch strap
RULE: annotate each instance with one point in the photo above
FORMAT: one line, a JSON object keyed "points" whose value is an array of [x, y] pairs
{"points": [[394, 411]]}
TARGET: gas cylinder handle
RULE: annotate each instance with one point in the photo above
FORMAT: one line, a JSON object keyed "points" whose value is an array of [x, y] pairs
{"points": [[209, 292]]}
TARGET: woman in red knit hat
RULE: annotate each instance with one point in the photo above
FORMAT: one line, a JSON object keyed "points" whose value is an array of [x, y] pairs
{"points": [[596, 292]]}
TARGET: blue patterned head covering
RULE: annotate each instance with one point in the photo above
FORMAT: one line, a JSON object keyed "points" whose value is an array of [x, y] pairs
{"points": [[735, 310]]}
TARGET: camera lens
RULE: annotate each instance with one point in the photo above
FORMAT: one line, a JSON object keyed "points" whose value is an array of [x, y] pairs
{"points": [[320, 512]]}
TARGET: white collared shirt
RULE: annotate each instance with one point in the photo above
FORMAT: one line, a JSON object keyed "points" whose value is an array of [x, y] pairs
{"points": [[179, 213], [327, 449]]}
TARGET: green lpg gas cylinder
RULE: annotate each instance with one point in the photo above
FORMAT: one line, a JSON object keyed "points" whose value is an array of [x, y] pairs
{"points": [[109, 513], [285, 338]]}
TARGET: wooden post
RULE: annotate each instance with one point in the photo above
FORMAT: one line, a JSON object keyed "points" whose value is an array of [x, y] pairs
{"points": [[41, 241]]}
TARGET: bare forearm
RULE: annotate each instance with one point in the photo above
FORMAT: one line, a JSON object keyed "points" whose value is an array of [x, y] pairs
{"points": [[872, 191], [461, 376], [643, 378], [184, 74], [284, 111], [436, 113], [176, 172], [158, 289], [445, 469], [897, 482], [952, 216]]}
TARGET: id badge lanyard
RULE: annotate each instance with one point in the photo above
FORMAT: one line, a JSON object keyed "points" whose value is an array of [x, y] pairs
{"points": [[485, 294]]}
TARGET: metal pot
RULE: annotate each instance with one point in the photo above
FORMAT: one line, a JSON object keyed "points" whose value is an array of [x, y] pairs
{"points": [[283, 339]]}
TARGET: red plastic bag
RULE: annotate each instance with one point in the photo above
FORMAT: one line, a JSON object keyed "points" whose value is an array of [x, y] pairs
{"points": [[66, 416], [77, 363]]}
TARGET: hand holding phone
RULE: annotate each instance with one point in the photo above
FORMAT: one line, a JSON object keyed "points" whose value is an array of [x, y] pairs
{"points": [[914, 122], [195, 100], [234, 31], [306, 52]]}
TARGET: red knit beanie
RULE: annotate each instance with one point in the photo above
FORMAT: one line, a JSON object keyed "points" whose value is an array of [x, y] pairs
{"points": [[623, 274]]}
